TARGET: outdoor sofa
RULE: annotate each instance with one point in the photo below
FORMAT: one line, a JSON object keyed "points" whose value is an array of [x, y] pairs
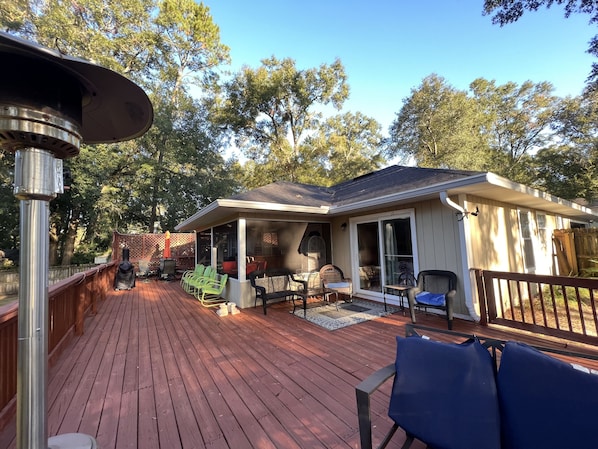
{"points": [[483, 393]]}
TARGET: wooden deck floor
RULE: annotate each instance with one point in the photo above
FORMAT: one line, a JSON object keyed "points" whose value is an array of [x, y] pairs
{"points": [[156, 370]]}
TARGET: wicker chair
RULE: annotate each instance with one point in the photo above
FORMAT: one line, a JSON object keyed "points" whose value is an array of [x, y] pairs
{"points": [[334, 281]]}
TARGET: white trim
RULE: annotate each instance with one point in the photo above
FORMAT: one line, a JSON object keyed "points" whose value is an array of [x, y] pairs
{"points": [[467, 258], [466, 251]]}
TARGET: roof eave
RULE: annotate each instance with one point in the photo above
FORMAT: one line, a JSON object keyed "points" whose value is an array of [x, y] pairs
{"points": [[466, 185], [232, 206]]}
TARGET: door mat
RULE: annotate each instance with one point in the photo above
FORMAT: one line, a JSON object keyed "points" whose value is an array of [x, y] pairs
{"points": [[348, 313]]}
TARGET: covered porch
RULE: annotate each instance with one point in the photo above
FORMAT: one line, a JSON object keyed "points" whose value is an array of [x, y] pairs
{"points": [[155, 369]]}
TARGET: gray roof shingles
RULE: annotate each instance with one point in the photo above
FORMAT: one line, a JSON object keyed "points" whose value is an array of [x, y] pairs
{"points": [[390, 180]]}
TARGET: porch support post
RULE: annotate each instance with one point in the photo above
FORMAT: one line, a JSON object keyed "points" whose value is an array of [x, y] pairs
{"points": [[242, 249]]}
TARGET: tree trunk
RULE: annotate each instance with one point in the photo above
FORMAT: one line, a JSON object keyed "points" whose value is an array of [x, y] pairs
{"points": [[69, 243], [53, 245]]}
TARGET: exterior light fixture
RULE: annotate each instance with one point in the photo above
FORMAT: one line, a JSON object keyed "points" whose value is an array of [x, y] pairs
{"points": [[49, 104]]}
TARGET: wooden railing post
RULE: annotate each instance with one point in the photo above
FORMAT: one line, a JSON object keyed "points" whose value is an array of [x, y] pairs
{"points": [[80, 308], [489, 295], [479, 280]]}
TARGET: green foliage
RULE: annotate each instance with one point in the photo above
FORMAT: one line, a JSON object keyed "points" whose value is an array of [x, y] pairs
{"points": [[517, 118], [165, 46], [9, 206], [13, 14], [271, 111], [570, 169], [439, 126], [346, 146]]}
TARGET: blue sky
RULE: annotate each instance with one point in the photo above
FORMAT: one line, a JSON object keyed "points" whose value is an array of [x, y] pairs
{"points": [[388, 46]]}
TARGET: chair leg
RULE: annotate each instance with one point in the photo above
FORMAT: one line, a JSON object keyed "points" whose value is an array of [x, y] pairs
{"points": [[412, 309]]}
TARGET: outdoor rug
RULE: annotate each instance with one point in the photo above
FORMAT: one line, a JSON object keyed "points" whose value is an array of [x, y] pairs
{"points": [[348, 313]]}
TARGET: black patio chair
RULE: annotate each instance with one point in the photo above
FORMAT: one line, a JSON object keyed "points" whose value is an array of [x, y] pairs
{"points": [[435, 289]]}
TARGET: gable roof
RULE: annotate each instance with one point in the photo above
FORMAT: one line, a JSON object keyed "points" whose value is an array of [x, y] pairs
{"points": [[394, 185]]}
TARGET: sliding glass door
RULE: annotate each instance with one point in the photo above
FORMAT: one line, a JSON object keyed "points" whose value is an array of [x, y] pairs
{"points": [[369, 256], [384, 248]]}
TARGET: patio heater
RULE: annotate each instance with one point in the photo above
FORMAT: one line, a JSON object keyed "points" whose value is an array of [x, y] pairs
{"points": [[49, 104]]}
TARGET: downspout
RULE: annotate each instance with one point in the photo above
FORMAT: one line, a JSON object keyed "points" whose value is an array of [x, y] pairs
{"points": [[465, 252]]}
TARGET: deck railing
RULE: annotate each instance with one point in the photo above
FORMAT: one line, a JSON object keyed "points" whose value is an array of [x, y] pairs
{"points": [[560, 306], [69, 302]]}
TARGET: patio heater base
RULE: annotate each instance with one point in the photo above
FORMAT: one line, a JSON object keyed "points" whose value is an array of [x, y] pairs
{"points": [[72, 441]]}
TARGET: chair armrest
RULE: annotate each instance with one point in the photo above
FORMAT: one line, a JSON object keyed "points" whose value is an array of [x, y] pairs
{"points": [[411, 292], [299, 281], [260, 291], [363, 392]]}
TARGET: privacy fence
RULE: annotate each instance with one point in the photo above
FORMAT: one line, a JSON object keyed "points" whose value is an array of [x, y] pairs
{"points": [[576, 251], [150, 247]]}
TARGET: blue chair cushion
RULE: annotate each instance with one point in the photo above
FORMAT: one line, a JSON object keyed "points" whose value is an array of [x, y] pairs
{"points": [[545, 402], [338, 285], [430, 299], [445, 394]]}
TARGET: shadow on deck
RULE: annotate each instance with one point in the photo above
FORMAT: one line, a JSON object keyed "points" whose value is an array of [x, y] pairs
{"points": [[156, 370]]}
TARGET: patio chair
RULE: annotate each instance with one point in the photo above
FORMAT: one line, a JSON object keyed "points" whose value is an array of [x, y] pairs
{"points": [[211, 293], [144, 270], [435, 289], [197, 271], [167, 269], [195, 282], [334, 282]]}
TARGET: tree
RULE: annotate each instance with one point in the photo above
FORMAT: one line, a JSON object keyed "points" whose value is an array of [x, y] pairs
{"points": [[9, 206], [510, 11], [518, 120], [569, 169], [164, 45], [271, 110], [348, 145], [439, 126]]}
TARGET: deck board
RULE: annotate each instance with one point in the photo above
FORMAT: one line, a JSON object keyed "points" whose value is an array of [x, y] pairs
{"points": [[156, 370]]}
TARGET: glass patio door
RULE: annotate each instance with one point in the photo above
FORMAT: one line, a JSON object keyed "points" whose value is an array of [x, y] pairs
{"points": [[398, 251], [369, 256], [384, 248]]}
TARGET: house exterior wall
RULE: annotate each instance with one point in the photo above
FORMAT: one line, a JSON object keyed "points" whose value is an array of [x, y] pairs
{"points": [[495, 237], [437, 243]]}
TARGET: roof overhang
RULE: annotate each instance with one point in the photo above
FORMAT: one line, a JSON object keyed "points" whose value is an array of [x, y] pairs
{"points": [[222, 209], [484, 185]]}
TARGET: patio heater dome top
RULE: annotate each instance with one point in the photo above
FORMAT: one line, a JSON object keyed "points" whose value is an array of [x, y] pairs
{"points": [[54, 101]]}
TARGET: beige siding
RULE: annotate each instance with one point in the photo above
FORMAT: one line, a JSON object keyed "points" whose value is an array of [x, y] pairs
{"points": [[496, 242], [438, 243]]}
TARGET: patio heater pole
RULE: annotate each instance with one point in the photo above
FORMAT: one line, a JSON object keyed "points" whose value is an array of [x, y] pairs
{"points": [[49, 103], [35, 186]]}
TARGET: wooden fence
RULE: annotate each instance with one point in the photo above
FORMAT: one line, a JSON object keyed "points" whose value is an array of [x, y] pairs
{"points": [[560, 306], [150, 247], [70, 300], [577, 251]]}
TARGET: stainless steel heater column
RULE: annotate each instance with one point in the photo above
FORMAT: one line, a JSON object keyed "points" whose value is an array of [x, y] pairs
{"points": [[49, 103], [36, 183]]}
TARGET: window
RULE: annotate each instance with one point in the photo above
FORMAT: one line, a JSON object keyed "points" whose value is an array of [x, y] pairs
{"points": [[542, 232], [525, 230]]}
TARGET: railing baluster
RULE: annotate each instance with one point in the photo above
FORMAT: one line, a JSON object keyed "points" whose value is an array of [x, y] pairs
{"points": [[557, 319]]}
